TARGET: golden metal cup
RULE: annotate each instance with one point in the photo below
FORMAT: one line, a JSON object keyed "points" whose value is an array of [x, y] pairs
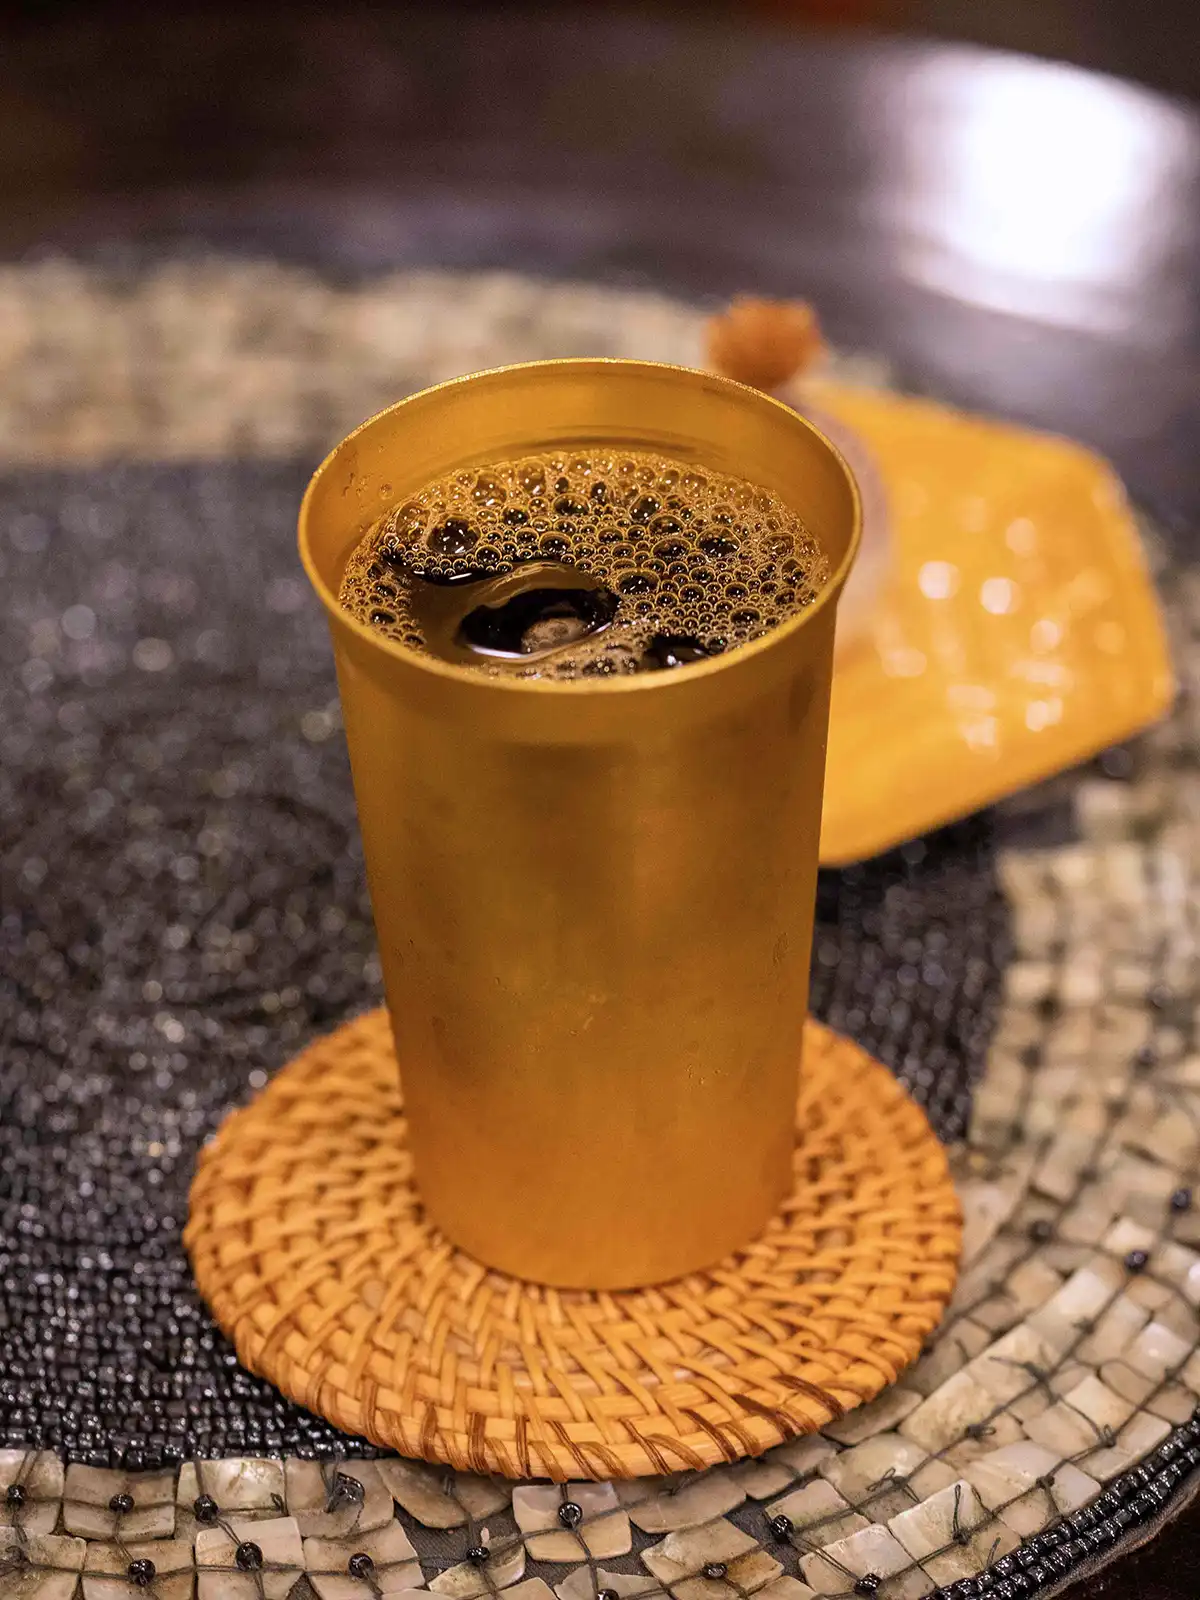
{"points": [[594, 900]]}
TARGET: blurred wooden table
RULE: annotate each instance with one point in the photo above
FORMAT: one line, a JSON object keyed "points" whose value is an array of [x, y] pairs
{"points": [[1016, 236]]}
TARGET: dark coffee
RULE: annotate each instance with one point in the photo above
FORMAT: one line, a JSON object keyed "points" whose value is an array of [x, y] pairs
{"points": [[589, 564]]}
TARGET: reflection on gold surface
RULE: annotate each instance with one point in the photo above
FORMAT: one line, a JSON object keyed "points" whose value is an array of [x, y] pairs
{"points": [[1018, 633]]}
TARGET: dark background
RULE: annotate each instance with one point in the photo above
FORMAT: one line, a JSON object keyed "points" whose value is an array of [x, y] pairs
{"points": [[99, 96]]}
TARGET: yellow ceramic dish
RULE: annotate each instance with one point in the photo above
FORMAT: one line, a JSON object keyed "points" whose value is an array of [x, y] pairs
{"points": [[1017, 633]]}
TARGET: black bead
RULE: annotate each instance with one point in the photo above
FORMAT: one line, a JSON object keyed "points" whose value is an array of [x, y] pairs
{"points": [[248, 1556], [868, 1584], [205, 1508], [781, 1526], [347, 1488], [360, 1566], [1181, 1200], [715, 1569], [478, 1555], [570, 1514], [1136, 1260], [142, 1572], [1041, 1229], [608, 1594], [122, 1504], [1116, 763], [15, 1494]]}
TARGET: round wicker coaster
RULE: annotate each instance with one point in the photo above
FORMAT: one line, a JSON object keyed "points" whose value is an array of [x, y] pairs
{"points": [[308, 1242]]}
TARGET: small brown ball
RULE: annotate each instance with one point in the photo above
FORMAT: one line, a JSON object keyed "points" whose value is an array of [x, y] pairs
{"points": [[764, 342]]}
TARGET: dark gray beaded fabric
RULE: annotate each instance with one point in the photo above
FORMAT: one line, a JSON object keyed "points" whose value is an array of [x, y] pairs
{"points": [[182, 906]]}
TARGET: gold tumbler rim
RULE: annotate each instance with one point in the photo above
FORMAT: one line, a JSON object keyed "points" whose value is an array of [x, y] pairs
{"points": [[632, 683]]}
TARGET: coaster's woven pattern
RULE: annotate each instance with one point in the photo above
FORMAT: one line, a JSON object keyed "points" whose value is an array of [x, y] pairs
{"points": [[308, 1240]]}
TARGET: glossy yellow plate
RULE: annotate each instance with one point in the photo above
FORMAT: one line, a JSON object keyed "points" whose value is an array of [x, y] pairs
{"points": [[1017, 632]]}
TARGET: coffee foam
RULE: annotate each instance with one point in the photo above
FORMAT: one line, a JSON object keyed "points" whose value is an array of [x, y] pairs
{"points": [[686, 553]]}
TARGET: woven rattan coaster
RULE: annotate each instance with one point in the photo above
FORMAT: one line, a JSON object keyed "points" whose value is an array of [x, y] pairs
{"points": [[308, 1241]]}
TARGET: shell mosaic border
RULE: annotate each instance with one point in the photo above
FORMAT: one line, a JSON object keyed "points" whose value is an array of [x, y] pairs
{"points": [[1053, 1418], [266, 1529]]}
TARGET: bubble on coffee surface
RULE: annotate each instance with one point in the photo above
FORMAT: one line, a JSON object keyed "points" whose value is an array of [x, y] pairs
{"points": [[593, 563]]}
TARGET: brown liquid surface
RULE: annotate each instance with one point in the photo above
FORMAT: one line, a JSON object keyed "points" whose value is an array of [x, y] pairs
{"points": [[586, 564]]}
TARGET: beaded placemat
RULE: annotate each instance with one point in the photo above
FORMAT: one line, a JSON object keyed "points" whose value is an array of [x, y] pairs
{"points": [[182, 908], [309, 1242]]}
